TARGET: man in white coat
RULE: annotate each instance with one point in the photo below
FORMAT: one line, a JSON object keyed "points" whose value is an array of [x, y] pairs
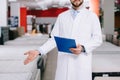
{"points": [[82, 25]]}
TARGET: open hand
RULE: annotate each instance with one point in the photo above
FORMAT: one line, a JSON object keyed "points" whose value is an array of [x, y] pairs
{"points": [[32, 54], [76, 50]]}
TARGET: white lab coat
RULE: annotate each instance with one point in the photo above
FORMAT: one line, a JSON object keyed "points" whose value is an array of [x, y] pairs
{"points": [[85, 29]]}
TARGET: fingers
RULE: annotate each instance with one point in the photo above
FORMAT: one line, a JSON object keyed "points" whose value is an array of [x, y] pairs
{"points": [[31, 56], [76, 50], [72, 49], [28, 60], [78, 46]]}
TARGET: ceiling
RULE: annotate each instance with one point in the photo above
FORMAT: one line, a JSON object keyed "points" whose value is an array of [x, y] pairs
{"points": [[46, 4], [43, 4]]}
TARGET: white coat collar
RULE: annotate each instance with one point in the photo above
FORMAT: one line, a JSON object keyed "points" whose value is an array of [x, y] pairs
{"points": [[73, 11]]}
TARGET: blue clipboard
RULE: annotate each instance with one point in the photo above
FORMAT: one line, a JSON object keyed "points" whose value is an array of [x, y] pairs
{"points": [[64, 44]]}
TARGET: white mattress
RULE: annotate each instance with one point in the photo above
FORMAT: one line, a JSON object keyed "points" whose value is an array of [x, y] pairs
{"points": [[107, 78], [107, 47], [17, 66], [31, 37], [20, 76], [14, 52], [106, 58], [106, 63], [12, 59], [28, 42], [14, 76], [9, 67]]}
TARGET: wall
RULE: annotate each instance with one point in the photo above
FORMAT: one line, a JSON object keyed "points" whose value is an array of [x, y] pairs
{"points": [[46, 16], [3, 13], [15, 10], [23, 20], [108, 22]]}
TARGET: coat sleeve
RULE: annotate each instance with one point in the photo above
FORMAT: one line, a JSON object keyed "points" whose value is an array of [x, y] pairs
{"points": [[96, 35], [50, 44]]}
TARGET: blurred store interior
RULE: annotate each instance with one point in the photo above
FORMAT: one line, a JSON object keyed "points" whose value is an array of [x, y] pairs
{"points": [[27, 24]]}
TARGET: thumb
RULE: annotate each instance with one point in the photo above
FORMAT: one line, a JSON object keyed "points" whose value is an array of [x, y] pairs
{"points": [[78, 46], [27, 53]]}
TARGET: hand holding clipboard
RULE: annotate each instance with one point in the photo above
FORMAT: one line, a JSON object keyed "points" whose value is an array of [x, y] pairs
{"points": [[64, 44]]}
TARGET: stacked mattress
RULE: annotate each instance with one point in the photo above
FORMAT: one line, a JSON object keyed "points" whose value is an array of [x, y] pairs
{"points": [[106, 60], [12, 58], [29, 40], [107, 78]]}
